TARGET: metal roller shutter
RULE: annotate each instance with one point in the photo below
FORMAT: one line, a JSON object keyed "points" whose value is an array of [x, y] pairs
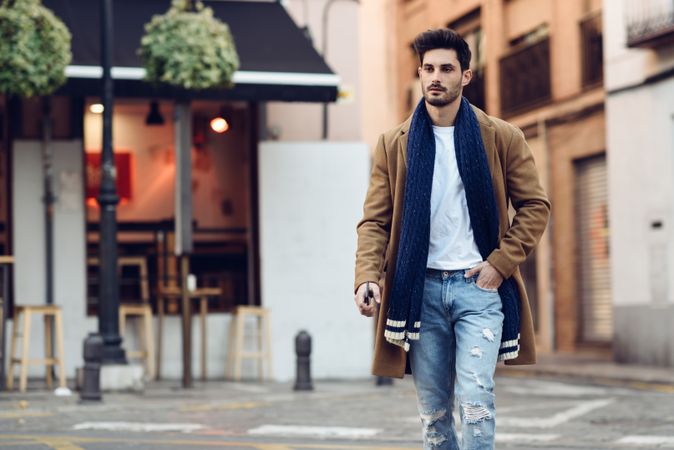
{"points": [[592, 251]]}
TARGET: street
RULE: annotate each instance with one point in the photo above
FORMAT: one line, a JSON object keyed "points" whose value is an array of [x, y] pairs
{"points": [[532, 413]]}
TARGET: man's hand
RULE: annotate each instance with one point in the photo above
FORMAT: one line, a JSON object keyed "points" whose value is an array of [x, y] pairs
{"points": [[367, 309], [489, 277]]}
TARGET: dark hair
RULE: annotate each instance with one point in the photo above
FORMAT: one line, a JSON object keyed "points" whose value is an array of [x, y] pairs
{"points": [[443, 38]]}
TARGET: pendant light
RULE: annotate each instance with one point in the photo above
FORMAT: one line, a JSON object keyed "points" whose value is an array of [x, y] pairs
{"points": [[154, 117]]}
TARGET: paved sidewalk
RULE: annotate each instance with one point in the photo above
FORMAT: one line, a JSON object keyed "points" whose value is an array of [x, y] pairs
{"points": [[240, 416], [534, 412], [596, 368]]}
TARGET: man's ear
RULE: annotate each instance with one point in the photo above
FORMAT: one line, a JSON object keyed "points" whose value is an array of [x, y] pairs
{"points": [[467, 77], [419, 71]]}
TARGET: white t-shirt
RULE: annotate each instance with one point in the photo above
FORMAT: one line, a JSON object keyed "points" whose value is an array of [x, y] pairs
{"points": [[451, 245]]}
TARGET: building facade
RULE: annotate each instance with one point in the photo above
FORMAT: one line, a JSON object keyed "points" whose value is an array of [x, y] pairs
{"points": [[639, 61], [332, 27]]}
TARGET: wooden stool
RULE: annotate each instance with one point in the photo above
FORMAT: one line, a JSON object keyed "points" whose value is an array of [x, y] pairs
{"points": [[142, 310], [235, 351], [146, 352], [202, 295], [52, 316]]}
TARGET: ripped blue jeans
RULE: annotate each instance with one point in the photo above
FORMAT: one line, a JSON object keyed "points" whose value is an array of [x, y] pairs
{"points": [[456, 356]]}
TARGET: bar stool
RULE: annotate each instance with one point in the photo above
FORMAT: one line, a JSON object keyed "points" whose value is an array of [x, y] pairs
{"points": [[200, 294], [142, 310], [52, 317], [235, 342], [146, 352]]}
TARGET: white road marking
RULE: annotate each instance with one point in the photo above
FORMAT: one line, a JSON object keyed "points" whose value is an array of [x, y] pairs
{"points": [[502, 410], [554, 389], [255, 389], [521, 438], [525, 438], [556, 419], [317, 432], [537, 422], [138, 426], [667, 441]]}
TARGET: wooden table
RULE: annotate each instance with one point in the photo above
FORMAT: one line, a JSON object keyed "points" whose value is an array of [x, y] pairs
{"points": [[173, 292]]}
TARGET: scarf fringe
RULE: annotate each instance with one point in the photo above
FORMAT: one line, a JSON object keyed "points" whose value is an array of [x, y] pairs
{"points": [[404, 342], [396, 333]]}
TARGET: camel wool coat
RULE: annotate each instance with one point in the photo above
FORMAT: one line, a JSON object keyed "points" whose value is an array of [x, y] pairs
{"points": [[515, 180]]}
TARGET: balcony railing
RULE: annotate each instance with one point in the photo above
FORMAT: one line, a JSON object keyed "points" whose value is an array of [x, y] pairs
{"points": [[592, 50], [650, 23], [525, 78], [474, 92]]}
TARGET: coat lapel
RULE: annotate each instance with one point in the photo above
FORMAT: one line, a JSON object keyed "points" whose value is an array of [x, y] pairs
{"points": [[489, 141]]}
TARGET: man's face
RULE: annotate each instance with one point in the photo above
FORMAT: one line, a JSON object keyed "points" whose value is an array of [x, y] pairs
{"points": [[442, 80]]}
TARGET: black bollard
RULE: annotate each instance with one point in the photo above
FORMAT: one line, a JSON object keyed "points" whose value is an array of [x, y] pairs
{"points": [[303, 351], [91, 379], [384, 381]]}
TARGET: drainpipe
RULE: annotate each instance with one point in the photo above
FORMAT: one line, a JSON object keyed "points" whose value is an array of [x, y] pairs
{"points": [[49, 198], [326, 9]]}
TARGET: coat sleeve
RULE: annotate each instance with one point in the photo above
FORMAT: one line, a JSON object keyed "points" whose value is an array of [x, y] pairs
{"points": [[532, 208], [375, 227]]}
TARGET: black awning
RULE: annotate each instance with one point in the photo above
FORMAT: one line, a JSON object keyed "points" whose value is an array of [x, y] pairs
{"points": [[278, 62]]}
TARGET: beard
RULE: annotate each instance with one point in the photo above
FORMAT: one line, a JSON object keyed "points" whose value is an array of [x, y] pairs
{"points": [[448, 96]]}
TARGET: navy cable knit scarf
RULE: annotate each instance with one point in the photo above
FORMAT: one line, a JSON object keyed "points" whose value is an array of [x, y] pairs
{"points": [[403, 321]]}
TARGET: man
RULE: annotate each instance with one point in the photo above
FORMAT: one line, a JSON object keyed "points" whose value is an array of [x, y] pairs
{"points": [[438, 253]]}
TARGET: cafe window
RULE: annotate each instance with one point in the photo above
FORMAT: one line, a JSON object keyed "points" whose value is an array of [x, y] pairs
{"points": [[145, 164]]}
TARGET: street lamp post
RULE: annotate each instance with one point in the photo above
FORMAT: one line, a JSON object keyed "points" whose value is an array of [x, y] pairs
{"points": [[108, 302]]}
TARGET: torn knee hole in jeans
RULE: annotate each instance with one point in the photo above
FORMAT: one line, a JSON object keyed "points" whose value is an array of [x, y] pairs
{"points": [[475, 412], [429, 418], [432, 436]]}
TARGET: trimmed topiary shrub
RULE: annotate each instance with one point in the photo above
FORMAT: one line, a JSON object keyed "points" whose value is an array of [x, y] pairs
{"points": [[34, 49], [189, 48]]}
